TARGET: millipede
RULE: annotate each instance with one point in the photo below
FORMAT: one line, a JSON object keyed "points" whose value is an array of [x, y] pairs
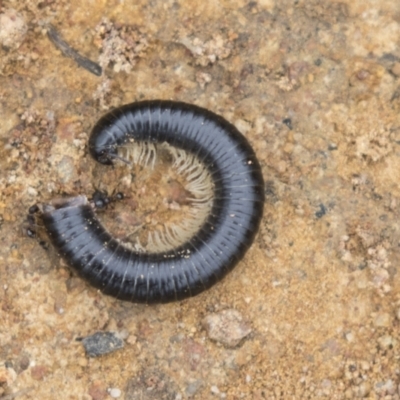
{"points": [[223, 177]]}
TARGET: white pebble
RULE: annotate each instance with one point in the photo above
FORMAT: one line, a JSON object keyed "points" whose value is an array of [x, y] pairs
{"points": [[114, 393], [248, 300], [32, 191], [12, 28], [214, 389], [349, 336]]}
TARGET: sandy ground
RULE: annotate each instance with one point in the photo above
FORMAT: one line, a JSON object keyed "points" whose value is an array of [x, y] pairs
{"points": [[315, 87]]}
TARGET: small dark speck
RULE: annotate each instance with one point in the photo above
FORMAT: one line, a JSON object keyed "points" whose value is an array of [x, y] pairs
{"points": [[101, 343], [288, 123], [318, 62], [376, 196], [383, 217], [321, 212], [362, 265], [270, 192]]}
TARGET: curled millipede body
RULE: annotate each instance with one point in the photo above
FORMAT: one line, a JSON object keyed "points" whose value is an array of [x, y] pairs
{"points": [[230, 217]]}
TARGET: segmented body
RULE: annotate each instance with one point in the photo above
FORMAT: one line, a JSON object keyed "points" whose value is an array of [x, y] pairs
{"points": [[211, 252]]}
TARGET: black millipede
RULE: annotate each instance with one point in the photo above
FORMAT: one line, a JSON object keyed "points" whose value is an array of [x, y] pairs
{"points": [[187, 269]]}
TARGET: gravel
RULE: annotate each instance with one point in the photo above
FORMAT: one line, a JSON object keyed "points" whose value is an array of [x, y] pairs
{"points": [[101, 343]]}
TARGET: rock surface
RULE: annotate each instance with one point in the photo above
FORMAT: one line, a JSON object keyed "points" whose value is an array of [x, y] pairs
{"points": [[315, 87]]}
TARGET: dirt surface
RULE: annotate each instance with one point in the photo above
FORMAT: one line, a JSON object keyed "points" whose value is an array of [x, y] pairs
{"points": [[315, 87]]}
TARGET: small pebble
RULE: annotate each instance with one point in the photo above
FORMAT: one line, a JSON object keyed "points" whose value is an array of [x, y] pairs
{"points": [[349, 336], [7, 376], [193, 387], [101, 343], [386, 342], [321, 212], [12, 29], [38, 372], [382, 320], [332, 146], [66, 169], [82, 362], [23, 362], [97, 391], [363, 389], [214, 389], [122, 334], [114, 393], [365, 365], [32, 191], [226, 327]]}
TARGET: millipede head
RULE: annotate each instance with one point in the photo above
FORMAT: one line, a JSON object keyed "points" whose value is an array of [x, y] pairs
{"points": [[105, 156], [102, 148]]}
